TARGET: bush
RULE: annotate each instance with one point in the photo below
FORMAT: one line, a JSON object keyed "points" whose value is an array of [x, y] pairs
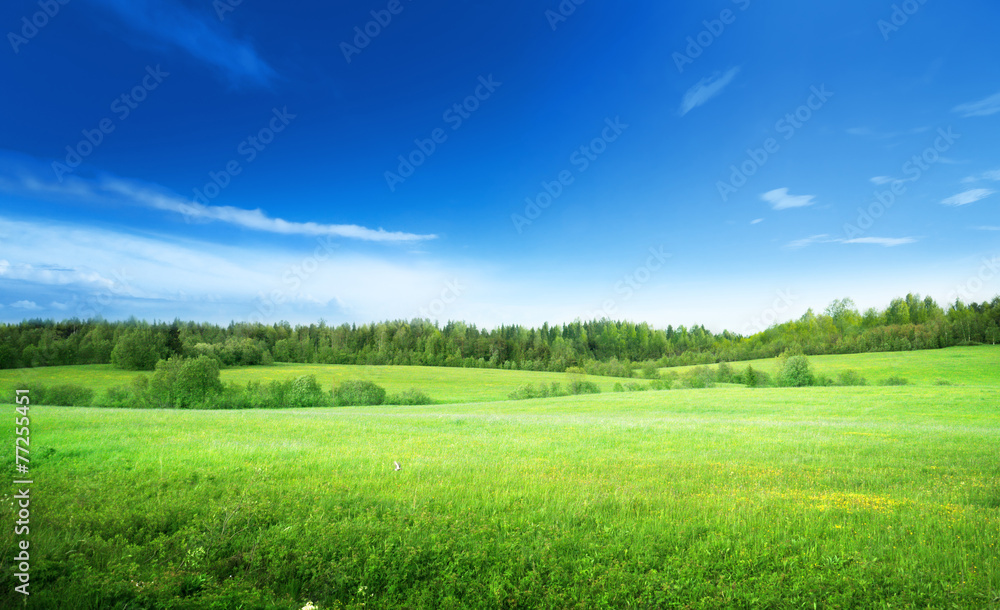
{"points": [[62, 395], [699, 377], [582, 386], [755, 379], [358, 393], [851, 377], [305, 391], [634, 386], [412, 396], [895, 380], [650, 370], [528, 391], [724, 374], [660, 384], [796, 372], [618, 387]]}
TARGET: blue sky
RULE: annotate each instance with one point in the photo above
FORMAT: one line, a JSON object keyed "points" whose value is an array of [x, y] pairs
{"points": [[721, 163]]}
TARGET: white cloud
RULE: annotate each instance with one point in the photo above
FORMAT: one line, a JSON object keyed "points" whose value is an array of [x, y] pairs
{"points": [[987, 228], [59, 306], [781, 200], [200, 35], [118, 189], [26, 305], [808, 241], [983, 107], [887, 242], [993, 175], [880, 180], [968, 197], [757, 221], [706, 89]]}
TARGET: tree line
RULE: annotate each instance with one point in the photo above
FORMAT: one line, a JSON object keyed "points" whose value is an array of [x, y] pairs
{"points": [[603, 347]]}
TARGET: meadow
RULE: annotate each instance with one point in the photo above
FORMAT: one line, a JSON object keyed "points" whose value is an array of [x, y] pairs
{"points": [[846, 497]]}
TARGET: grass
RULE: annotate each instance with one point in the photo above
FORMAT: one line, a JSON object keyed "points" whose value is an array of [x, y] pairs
{"points": [[970, 366], [771, 498], [444, 385]]}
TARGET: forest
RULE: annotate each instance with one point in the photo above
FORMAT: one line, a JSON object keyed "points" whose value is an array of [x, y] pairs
{"points": [[598, 346]]}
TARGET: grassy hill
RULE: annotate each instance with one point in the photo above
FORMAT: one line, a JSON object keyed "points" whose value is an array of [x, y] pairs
{"points": [[979, 365], [771, 498]]}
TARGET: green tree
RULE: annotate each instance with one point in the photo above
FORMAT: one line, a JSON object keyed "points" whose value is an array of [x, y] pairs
{"points": [[197, 380], [138, 349], [796, 372]]}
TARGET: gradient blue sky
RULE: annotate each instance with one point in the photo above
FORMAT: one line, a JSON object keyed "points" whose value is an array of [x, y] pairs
{"points": [[824, 104]]}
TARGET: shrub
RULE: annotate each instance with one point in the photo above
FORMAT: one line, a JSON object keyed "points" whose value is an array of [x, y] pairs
{"points": [[412, 396], [699, 377], [618, 387], [650, 370], [660, 384], [895, 380], [305, 391], [582, 386], [754, 378], [724, 374], [796, 372], [635, 386], [62, 395], [851, 377], [357, 393]]}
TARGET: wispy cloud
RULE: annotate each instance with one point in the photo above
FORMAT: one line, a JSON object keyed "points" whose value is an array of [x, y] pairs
{"points": [[131, 192], [987, 228], [756, 221], [27, 305], [983, 107], [706, 89], [201, 36], [968, 197], [887, 242], [781, 200], [885, 135], [993, 175], [880, 180]]}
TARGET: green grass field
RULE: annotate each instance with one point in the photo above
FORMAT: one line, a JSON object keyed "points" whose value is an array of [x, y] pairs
{"points": [[444, 385], [861, 497], [956, 365]]}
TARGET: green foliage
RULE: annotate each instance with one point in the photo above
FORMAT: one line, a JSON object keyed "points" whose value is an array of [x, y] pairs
{"points": [[850, 377], [754, 378], [139, 349], [724, 373], [698, 378], [635, 386], [795, 372], [540, 390], [650, 370], [358, 392], [895, 380], [582, 386], [63, 395], [412, 397], [618, 387]]}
